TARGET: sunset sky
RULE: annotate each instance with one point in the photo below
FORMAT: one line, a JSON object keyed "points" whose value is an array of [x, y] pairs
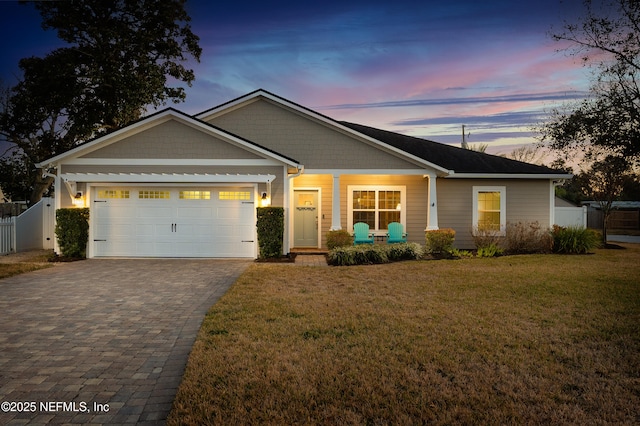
{"points": [[422, 68]]}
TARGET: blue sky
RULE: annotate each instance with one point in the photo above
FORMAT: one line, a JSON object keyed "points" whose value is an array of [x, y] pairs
{"points": [[422, 68]]}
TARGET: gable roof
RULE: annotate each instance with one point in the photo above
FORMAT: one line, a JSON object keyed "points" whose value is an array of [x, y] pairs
{"points": [[159, 117], [461, 161], [448, 160], [328, 121]]}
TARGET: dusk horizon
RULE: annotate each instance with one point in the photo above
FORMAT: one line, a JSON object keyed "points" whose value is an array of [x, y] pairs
{"points": [[422, 69]]}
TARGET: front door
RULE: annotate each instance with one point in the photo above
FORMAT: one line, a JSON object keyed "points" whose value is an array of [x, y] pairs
{"points": [[305, 219]]}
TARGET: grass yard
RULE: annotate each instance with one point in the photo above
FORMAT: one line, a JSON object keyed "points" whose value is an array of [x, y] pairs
{"points": [[536, 339], [20, 263]]}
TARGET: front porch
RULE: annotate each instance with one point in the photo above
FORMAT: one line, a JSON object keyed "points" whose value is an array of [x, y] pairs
{"points": [[377, 199]]}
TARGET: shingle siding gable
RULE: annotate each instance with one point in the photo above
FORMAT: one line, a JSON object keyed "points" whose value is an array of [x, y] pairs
{"points": [[314, 144]]}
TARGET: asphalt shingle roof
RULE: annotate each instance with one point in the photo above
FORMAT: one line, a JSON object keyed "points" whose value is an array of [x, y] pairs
{"points": [[450, 157]]}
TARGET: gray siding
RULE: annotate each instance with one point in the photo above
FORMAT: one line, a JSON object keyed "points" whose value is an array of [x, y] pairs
{"points": [[527, 201], [172, 139], [309, 142]]}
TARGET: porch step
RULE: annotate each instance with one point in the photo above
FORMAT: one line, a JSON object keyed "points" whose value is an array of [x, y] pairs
{"points": [[308, 251]]}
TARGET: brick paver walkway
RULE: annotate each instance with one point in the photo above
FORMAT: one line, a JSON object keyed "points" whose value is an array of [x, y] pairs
{"points": [[103, 341], [311, 260]]}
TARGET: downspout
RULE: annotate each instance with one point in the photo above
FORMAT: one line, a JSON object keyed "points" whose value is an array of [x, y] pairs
{"points": [[552, 215]]}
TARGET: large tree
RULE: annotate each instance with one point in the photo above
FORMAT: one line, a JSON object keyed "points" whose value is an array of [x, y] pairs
{"points": [[604, 182], [608, 121], [122, 57]]}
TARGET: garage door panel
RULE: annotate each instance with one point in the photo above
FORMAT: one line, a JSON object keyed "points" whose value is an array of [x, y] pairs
{"points": [[232, 213], [195, 212], [165, 222], [116, 230], [115, 248], [155, 212]]}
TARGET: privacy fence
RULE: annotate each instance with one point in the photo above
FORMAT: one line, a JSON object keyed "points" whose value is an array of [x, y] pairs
{"points": [[33, 229]]}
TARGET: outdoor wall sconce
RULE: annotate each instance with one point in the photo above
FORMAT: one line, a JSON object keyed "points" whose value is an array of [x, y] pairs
{"points": [[265, 200], [78, 199]]}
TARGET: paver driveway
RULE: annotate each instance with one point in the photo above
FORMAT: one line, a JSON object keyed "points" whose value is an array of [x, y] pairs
{"points": [[103, 341]]}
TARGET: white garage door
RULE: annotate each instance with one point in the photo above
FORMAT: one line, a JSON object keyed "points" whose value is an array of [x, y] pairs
{"points": [[173, 222]]}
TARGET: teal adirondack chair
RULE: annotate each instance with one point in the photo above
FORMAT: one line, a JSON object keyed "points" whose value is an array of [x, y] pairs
{"points": [[396, 233], [361, 234]]}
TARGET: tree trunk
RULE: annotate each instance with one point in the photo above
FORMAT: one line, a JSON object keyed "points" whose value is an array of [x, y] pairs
{"points": [[605, 224], [40, 186]]}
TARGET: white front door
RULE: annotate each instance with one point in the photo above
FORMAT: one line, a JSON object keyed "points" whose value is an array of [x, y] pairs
{"points": [[173, 222]]}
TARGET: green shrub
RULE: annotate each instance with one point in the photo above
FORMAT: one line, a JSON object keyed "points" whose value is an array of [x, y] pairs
{"points": [[575, 240], [72, 231], [440, 241], [491, 250], [404, 251], [339, 238], [270, 226], [373, 254], [527, 237], [461, 254]]}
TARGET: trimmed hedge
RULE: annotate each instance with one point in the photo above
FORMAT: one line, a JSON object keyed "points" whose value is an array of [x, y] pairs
{"points": [[367, 254], [440, 241], [339, 238], [72, 231], [270, 226]]}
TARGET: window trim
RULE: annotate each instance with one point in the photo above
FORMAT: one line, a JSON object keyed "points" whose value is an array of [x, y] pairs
{"points": [[377, 189], [503, 207]]}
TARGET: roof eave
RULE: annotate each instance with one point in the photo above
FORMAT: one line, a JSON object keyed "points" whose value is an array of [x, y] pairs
{"points": [[509, 176]]}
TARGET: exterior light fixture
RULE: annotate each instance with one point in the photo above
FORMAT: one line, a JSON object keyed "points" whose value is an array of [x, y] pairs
{"points": [[78, 199], [265, 200]]}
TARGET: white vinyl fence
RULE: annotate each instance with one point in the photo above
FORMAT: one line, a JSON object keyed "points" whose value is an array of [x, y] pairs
{"points": [[7, 235], [33, 229], [571, 216]]}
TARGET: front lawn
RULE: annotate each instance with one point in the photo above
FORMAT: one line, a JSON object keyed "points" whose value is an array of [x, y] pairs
{"points": [[15, 264], [513, 340]]}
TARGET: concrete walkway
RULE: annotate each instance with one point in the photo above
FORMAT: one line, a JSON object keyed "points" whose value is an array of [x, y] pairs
{"points": [[103, 341], [635, 239]]}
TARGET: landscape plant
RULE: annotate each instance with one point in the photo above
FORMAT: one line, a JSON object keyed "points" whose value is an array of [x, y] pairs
{"points": [[339, 238], [367, 254], [488, 242], [270, 224], [527, 238], [490, 250], [575, 239], [440, 241], [72, 232]]}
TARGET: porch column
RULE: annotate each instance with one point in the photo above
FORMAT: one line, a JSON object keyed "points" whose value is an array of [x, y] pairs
{"points": [[335, 205], [432, 219]]}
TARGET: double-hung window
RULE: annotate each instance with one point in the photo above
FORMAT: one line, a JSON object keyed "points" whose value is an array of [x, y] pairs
{"points": [[377, 206], [489, 209]]}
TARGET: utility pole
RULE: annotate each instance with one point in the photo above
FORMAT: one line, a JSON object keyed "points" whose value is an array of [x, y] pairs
{"points": [[465, 145]]}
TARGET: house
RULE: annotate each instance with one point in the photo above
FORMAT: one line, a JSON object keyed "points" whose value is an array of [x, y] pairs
{"points": [[175, 185]]}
